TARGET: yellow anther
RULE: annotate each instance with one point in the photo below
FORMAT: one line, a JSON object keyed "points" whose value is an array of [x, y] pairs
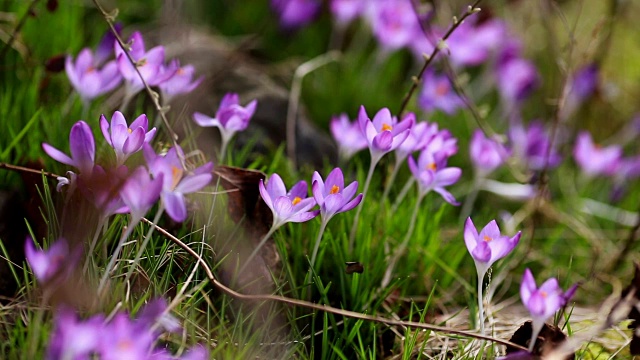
{"points": [[129, 130], [487, 238], [334, 189], [296, 200], [432, 166], [176, 176], [387, 127], [543, 294]]}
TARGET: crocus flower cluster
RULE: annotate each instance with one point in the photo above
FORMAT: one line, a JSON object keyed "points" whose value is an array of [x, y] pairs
{"points": [[384, 133], [91, 77], [438, 94], [119, 338]]}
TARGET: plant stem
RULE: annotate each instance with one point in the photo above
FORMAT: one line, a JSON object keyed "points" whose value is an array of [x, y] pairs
{"points": [[470, 200], [536, 326], [145, 242], [323, 226], [480, 304], [92, 246], [403, 246], [391, 180], [354, 227], [116, 253], [403, 193], [223, 149], [260, 245]]}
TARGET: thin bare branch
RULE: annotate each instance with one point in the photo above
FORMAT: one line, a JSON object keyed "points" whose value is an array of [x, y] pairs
{"points": [[27, 170]]}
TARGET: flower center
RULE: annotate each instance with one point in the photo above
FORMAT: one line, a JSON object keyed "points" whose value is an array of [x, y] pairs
{"points": [[296, 200], [442, 89], [386, 127], [129, 130], [487, 238], [543, 294], [432, 166], [176, 175], [180, 71], [125, 345], [334, 189]]}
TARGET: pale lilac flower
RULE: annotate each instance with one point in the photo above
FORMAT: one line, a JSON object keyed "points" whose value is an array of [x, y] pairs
{"points": [[73, 338], [140, 192], [104, 51], [292, 206], [82, 146], [102, 189], [176, 183], [124, 139], [595, 160], [87, 79], [394, 22], [46, 264], [580, 87], [332, 196], [472, 43], [438, 94], [296, 13], [420, 136], [231, 117], [432, 173], [486, 154], [516, 78], [347, 135], [531, 146], [182, 81], [155, 313], [346, 11], [148, 64], [124, 339], [488, 246], [443, 142], [542, 302], [384, 133]]}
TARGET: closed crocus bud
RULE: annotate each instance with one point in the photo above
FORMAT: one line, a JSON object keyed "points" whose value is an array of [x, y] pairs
{"points": [[82, 146], [126, 139]]}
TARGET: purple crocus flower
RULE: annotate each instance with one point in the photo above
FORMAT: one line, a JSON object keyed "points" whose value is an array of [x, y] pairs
{"points": [[394, 22], [140, 192], [517, 78], [347, 135], [595, 160], [421, 134], [124, 139], [488, 246], [230, 118], [87, 79], [296, 13], [82, 146], [472, 43], [148, 63], [432, 173], [102, 189], [346, 11], [384, 133], [73, 338], [181, 82], [46, 264], [124, 339], [438, 94], [176, 183], [292, 206], [443, 142], [332, 196], [531, 146], [104, 51], [542, 302], [155, 312], [486, 154], [580, 87]]}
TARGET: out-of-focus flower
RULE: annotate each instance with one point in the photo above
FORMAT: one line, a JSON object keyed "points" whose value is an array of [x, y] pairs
{"points": [[230, 118], [46, 264], [432, 173], [82, 146], [443, 142], [155, 312], [181, 82], [292, 206], [296, 13], [72, 338], [148, 64], [531, 145], [332, 196], [102, 189], [88, 80], [595, 160], [384, 133], [140, 192], [486, 154], [394, 22], [124, 339], [438, 94], [421, 134], [346, 11], [347, 135], [579, 88], [542, 302], [516, 79], [472, 43], [104, 51], [488, 246], [124, 139], [176, 183]]}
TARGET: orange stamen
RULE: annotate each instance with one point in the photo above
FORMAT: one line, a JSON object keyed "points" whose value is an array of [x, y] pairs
{"points": [[387, 127], [129, 130], [334, 189], [296, 200], [543, 294], [176, 176], [486, 238], [432, 166]]}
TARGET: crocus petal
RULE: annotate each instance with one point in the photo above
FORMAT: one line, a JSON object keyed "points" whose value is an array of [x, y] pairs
{"points": [[193, 183], [275, 186], [175, 206], [446, 195], [265, 195], [332, 203], [491, 230], [300, 190], [350, 190], [336, 178], [317, 190], [383, 141], [448, 176], [141, 121], [104, 127], [303, 217], [57, 155], [381, 118], [134, 141], [282, 207], [527, 286], [470, 235], [72, 72], [536, 304], [82, 146], [352, 204], [482, 252]]}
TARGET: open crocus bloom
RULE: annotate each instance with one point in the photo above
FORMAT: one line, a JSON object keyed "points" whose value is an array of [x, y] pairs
{"points": [[140, 192], [125, 139], [488, 246], [432, 173], [438, 94], [82, 146], [87, 79], [332, 196], [230, 118], [181, 82], [292, 206], [595, 160], [46, 264], [347, 135], [384, 133], [486, 154]]}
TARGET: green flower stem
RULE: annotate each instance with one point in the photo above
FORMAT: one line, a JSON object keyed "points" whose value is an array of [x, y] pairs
{"points": [[145, 242], [403, 193], [116, 253], [480, 304], [94, 241], [354, 227], [535, 330], [391, 181], [260, 245], [314, 255]]}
